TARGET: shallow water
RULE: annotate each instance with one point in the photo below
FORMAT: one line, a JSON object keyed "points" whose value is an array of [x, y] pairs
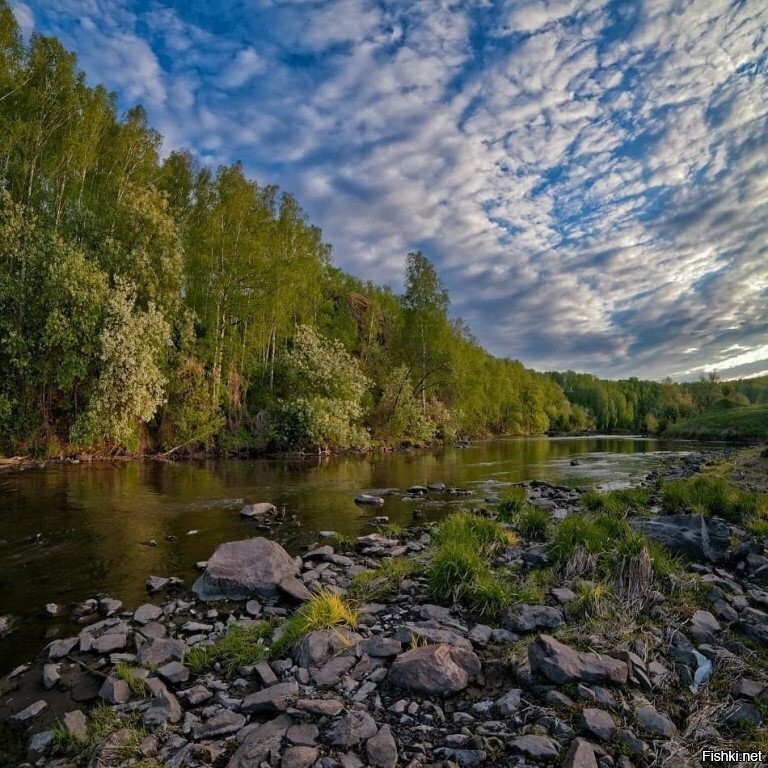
{"points": [[69, 532]]}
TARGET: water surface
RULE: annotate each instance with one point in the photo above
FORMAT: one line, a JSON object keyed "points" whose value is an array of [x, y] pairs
{"points": [[69, 532]]}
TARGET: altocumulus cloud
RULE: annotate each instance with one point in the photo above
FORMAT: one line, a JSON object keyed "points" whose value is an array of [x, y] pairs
{"points": [[590, 177]]}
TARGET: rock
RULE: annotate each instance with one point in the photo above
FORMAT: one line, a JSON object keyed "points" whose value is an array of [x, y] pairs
{"points": [[480, 635], [158, 651], [366, 500], [320, 707], [654, 722], [223, 723], [261, 509], [75, 723], [701, 538], [265, 674], [351, 729], [536, 747], [253, 608], [115, 691], [30, 712], [745, 688], [198, 694], [276, 698], [330, 674], [163, 708], [743, 712], [109, 642], [563, 595], [51, 610], [109, 606], [562, 664], [317, 647], [598, 722], [61, 648], [146, 613], [704, 626], [303, 735], [295, 589], [434, 669], [580, 755], [381, 647], [509, 703], [40, 743], [529, 618], [299, 757], [174, 672], [156, 584], [261, 743], [420, 633], [242, 569], [382, 749], [51, 676]]}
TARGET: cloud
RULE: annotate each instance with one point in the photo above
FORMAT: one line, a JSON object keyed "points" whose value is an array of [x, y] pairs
{"points": [[25, 18], [590, 178]]}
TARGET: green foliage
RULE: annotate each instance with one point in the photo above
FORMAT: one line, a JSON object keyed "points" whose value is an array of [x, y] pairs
{"points": [[511, 505], [399, 415], [709, 495], [532, 587], [621, 502], [136, 683], [593, 599], [734, 422], [242, 645], [384, 581], [486, 534], [534, 523]]}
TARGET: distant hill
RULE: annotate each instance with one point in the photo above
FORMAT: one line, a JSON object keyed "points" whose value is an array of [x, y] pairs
{"points": [[724, 420]]}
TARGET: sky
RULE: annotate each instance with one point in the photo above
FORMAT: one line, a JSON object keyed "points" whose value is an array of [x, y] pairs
{"points": [[589, 178]]}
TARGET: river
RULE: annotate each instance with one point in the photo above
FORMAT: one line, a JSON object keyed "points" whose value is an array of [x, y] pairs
{"points": [[68, 532]]}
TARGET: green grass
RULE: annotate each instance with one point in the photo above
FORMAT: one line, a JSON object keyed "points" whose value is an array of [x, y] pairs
{"points": [[511, 505], [137, 684], [724, 421], [621, 502], [531, 588], [383, 582], [534, 523], [593, 599], [325, 610], [240, 646], [710, 495], [484, 533]]}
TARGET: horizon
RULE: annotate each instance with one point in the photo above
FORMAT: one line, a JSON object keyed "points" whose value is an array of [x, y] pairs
{"points": [[590, 180]]}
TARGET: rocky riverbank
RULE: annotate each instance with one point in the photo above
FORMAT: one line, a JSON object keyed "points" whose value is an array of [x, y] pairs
{"points": [[344, 657]]}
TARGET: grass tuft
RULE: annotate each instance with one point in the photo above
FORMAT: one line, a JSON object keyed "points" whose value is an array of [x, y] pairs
{"points": [[534, 523], [618, 503], [137, 684], [242, 645], [710, 495], [511, 505], [383, 582]]}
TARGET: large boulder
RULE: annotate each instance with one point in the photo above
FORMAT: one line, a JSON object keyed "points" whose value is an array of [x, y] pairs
{"points": [[563, 664], [695, 536], [238, 570], [434, 669]]}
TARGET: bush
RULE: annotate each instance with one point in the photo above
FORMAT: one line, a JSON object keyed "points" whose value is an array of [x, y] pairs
{"points": [[241, 645], [511, 505], [709, 495], [534, 523]]}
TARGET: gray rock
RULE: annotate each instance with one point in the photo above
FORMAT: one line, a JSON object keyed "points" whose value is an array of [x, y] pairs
{"points": [[242, 569], [581, 754], [40, 743], [598, 722], [746, 688], [466, 758], [276, 698], [299, 757], [51, 610], [163, 708], [366, 500], [628, 739], [158, 651], [156, 584], [61, 648], [253, 608], [351, 729], [480, 635], [317, 647], [223, 723], [382, 749], [75, 723], [295, 589], [320, 707], [261, 743], [420, 633], [698, 537], [109, 606], [529, 618], [510, 702], [261, 509], [30, 712], [174, 672], [330, 674], [536, 747], [115, 691], [704, 626], [304, 735], [742, 712], [563, 595], [381, 647], [434, 669], [146, 613], [265, 674], [109, 642], [51, 676], [654, 722], [562, 664], [196, 695]]}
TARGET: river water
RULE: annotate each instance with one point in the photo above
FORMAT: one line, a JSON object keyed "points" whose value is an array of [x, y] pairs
{"points": [[70, 532]]}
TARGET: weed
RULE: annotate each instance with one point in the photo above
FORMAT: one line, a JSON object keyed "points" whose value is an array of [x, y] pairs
{"points": [[242, 645], [618, 503], [593, 599], [710, 495], [511, 505], [533, 523], [488, 595], [137, 684], [384, 581], [532, 588], [482, 532], [455, 565]]}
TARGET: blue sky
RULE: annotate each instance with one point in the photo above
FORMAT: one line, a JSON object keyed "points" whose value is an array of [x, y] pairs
{"points": [[590, 178]]}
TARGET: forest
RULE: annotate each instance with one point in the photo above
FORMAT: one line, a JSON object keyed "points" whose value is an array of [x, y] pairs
{"points": [[151, 304]]}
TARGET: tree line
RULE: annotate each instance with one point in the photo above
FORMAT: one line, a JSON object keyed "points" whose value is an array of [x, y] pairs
{"points": [[154, 304]]}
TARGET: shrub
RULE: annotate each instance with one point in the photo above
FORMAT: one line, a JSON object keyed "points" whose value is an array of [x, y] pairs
{"points": [[709, 495], [242, 645], [534, 523], [511, 505], [620, 503]]}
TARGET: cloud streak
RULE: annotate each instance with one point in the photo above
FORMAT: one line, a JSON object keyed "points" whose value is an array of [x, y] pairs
{"points": [[590, 178]]}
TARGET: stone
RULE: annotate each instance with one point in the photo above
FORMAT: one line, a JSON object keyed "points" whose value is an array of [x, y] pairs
{"points": [[536, 747], [304, 735], [163, 708], [598, 722], [746, 688], [434, 669], [265, 674], [223, 723], [299, 757], [420, 633], [466, 758], [366, 500], [261, 743], [261, 509], [381, 647], [158, 651], [115, 691], [75, 723], [196, 695], [238, 570], [330, 674], [529, 618], [351, 729], [653, 721], [146, 613], [109, 606], [563, 595], [698, 537], [253, 608], [295, 589], [480, 635], [581, 754], [30, 712], [509, 703], [742, 712], [704, 626], [317, 647], [61, 648], [51, 610], [174, 672], [276, 698], [156, 584], [320, 707], [382, 749], [109, 642], [562, 664], [51, 676], [40, 743]]}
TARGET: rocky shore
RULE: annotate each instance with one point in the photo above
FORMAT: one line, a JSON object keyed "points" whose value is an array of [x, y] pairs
{"points": [[386, 676]]}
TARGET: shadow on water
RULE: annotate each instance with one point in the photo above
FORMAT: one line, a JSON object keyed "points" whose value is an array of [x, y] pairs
{"points": [[69, 532]]}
